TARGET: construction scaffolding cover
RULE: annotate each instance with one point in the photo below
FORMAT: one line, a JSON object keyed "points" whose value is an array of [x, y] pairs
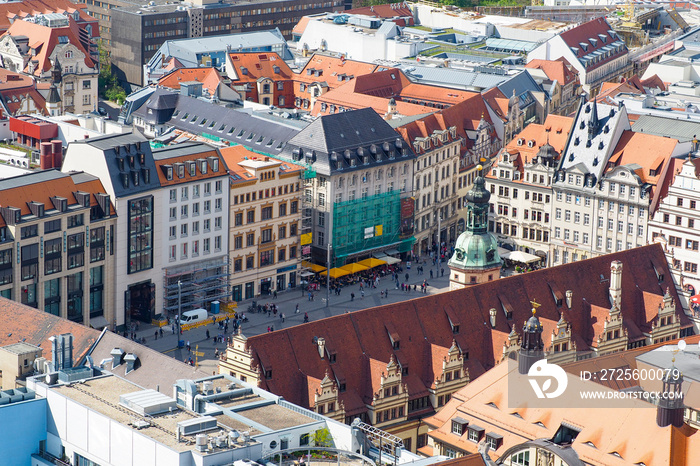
{"points": [[355, 223]]}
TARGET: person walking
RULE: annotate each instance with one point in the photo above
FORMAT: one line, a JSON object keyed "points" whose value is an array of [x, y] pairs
{"points": [[431, 273], [352, 296], [207, 334], [296, 311], [362, 293], [188, 346], [283, 317], [156, 334], [160, 330], [274, 295], [306, 317]]}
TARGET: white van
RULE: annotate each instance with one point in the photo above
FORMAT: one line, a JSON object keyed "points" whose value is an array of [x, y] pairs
{"points": [[193, 316]]}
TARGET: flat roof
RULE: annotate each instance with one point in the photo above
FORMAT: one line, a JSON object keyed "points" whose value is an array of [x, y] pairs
{"points": [[21, 348], [102, 395], [686, 361], [276, 417]]}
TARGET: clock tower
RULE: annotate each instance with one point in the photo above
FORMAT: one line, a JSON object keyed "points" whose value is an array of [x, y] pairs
{"points": [[476, 258]]}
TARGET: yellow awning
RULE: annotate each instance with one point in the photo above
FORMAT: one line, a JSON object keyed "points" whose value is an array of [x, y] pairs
{"points": [[354, 267], [372, 262], [314, 267], [336, 272]]}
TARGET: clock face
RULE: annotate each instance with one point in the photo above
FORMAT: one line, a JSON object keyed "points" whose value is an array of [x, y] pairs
{"points": [[460, 254]]}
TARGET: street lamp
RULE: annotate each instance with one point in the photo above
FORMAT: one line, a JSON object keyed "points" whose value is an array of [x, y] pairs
{"points": [[328, 276]]}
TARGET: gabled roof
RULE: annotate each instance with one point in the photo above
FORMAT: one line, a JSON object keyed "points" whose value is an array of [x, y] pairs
{"points": [[361, 336], [44, 39], [239, 173], [258, 65], [331, 67], [647, 151], [209, 77], [594, 43], [497, 101], [34, 326], [559, 70]]}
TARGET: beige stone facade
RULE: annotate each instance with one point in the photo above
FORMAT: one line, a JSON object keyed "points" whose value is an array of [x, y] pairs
{"points": [[264, 235]]}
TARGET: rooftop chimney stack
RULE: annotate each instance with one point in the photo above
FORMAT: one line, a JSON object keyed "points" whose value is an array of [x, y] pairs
{"points": [[569, 298], [615, 283], [492, 313]]}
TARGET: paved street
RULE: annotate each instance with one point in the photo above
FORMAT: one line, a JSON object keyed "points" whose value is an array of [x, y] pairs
{"points": [[286, 303]]}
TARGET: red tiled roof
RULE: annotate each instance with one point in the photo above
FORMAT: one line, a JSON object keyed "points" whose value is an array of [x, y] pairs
{"points": [[42, 191], [207, 151], [301, 25], [593, 29], [559, 69], [9, 11], [45, 39], [497, 101], [24, 323], [258, 65], [16, 88], [209, 77], [330, 67], [363, 347]]}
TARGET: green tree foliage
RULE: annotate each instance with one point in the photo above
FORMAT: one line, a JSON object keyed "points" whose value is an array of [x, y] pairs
{"points": [[107, 84], [322, 438]]}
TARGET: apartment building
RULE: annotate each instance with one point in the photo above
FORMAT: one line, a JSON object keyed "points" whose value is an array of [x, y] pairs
{"points": [[363, 170], [125, 166], [607, 184], [520, 182], [195, 199], [52, 52], [264, 226], [675, 222], [57, 245]]}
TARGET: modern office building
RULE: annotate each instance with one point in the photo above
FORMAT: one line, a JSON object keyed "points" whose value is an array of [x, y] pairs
{"points": [[264, 223], [134, 31], [125, 166], [56, 245]]}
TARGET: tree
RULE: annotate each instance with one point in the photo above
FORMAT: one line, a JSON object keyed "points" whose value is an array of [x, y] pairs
{"points": [[322, 438], [107, 84]]}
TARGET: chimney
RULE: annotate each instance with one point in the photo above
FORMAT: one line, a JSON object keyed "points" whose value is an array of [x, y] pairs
{"points": [[569, 298], [615, 283], [130, 360], [62, 351], [117, 355], [492, 313], [321, 342]]}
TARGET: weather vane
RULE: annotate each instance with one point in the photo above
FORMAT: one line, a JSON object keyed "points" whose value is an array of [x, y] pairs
{"points": [[535, 305]]}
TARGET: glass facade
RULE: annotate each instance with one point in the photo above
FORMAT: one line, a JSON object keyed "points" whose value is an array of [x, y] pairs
{"points": [[140, 245]]}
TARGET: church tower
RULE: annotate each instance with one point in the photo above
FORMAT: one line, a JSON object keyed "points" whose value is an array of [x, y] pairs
{"points": [[476, 258], [670, 409], [532, 347]]}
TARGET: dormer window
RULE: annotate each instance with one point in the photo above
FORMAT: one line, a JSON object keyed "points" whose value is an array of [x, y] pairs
{"points": [[531, 143], [459, 425], [521, 141], [180, 170]]}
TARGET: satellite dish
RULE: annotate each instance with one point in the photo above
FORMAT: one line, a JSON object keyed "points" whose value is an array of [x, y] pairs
{"points": [[681, 345]]}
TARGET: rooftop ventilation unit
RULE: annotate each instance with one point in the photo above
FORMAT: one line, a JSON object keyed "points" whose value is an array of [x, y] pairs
{"points": [[197, 425], [147, 402], [74, 374]]}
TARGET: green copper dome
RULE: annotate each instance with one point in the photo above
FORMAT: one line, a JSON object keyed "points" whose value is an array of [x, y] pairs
{"points": [[476, 248]]}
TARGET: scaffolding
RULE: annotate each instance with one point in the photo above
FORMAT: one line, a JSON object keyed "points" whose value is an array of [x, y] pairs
{"points": [[367, 223], [201, 284]]}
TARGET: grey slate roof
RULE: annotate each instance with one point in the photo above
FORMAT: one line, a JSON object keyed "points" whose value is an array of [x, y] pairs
{"points": [[459, 79], [31, 178], [189, 50], [592, 158], [682, 130], [357, 139], [233, 125], [523, 84], [119, 146]]}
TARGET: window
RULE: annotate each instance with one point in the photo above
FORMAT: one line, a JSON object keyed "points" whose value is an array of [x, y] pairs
{"points": [[250, 239], [207, 189], [458, 427], [75, 220], [217, 205], [76, 250], [217, 223], [474, 435], [52, 256], [266, 213], [251, 216], [52, 225], [282, 255], [96, 291], [321, 219], [266, 258], [206, 246], [183, 211], [521, 459], [206, 225], [97, 244], [266, 235], [294, 208], [29, 231], [217, 187], [140, 240], [173, 213]]}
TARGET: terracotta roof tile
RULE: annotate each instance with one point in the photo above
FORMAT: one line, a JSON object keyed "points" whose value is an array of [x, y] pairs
{"points": [[330, 67], [258, 65], [209, 77], [10, 10], [559, 70], [24, 323], [206, 151], [363, 348]]}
